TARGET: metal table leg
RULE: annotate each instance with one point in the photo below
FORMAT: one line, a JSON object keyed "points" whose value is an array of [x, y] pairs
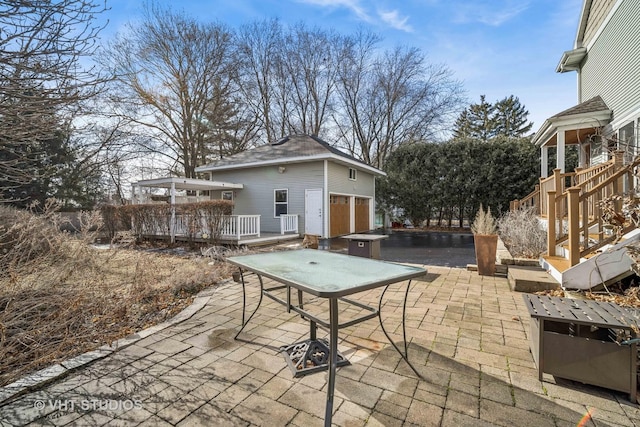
{"points": [[244, 302], [404, 355], [333, 359]]}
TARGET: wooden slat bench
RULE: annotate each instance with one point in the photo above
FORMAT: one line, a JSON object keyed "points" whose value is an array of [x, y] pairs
{"points": [[581, 340]]}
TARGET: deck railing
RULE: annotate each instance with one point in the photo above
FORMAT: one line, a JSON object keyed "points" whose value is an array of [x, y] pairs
{"points": [[238, 226], [233, 226], [572, 205], [530, 201], [288, 224]]}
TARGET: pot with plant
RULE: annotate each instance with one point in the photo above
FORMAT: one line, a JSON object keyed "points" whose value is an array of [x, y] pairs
{"points": [[485, 238]]}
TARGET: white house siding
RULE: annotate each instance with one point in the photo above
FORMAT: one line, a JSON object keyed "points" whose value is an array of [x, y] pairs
{"points": [[599, 11], [612, 65], [259, 183]]}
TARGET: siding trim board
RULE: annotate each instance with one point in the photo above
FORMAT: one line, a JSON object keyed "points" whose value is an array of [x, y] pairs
{"points": [[620, 121], [327, 199], [593, 39]]}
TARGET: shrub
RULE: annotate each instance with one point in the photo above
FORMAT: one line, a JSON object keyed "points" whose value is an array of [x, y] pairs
{"points": [[521, 233], [201, 219], [113, 220], [29, 240]]}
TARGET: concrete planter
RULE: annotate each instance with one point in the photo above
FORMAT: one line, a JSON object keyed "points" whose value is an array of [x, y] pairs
{"points": [[486, 246]]}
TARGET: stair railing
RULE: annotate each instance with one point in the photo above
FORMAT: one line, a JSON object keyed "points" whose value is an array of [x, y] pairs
{"points": [[584, 208]]}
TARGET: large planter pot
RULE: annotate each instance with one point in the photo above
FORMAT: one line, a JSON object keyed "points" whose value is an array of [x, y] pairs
{"points": [[486, 245]]}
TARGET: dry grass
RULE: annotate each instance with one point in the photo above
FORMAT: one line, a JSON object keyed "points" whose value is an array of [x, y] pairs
{"points": [[60, 297]]}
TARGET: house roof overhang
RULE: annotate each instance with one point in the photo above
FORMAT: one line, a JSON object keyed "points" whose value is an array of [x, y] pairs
{"points": [[576, 122], [288, 160], [187, 184], [571, 60], [576, 127]]}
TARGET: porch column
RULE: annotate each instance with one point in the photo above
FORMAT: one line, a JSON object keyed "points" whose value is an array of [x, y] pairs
{"points": [[133, 194], [560, 151], [544, 162], [582, 156], [172, 224]]}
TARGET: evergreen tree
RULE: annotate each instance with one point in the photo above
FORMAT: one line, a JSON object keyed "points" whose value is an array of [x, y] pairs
{"points": [[511, 118], [462, 127], [448, 181], [477, 121], [484, 121]]}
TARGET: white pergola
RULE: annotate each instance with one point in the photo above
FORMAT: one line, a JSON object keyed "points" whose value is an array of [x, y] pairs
{"points": [[176, 183]]}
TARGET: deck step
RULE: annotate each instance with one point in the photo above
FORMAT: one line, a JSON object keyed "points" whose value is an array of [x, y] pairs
{"points": [[561, 264]]}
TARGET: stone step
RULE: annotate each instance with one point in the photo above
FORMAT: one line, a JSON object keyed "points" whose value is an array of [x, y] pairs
{"points": [[530, 279]]}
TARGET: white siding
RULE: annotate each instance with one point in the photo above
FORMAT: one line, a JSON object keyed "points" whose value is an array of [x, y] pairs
{"points": [[612, 65]]}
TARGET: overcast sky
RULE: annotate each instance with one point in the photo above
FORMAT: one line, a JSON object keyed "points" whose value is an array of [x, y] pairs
{"points": [[495, 47]]}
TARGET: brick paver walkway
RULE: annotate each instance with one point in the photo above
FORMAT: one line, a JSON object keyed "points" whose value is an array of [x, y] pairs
{"points": [[468, 339]]}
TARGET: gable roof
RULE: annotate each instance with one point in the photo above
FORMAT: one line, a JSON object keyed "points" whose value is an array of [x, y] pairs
{"points": [[592, 113], [290, 149], [593, 105]]}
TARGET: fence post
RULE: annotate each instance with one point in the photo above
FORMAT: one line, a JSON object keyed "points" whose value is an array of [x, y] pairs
{"points": [[574, 225], [258, 225], [551, 223]]}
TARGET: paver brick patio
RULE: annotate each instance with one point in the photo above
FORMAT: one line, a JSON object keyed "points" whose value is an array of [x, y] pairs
{"points": [[469, 341]]}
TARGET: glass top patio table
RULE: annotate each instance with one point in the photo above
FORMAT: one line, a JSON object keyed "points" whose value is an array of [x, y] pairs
{"points": [[326, 274], [331, 276]]}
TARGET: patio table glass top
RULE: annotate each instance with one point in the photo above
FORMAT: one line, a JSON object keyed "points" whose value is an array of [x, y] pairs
{"points": [[326, 274]]}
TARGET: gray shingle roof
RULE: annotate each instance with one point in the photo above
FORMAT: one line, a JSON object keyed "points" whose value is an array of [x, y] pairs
{"points": [[589, 106], [290, 147]]}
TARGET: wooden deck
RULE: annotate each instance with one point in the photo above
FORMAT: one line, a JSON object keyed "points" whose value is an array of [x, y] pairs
{"points": [[264, 239]]}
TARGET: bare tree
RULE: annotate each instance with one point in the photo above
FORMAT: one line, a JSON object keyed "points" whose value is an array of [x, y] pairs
{"points": [[174, 75], [391, 99], [259, 51], [233, 127], [43, 82], [310, 69]]}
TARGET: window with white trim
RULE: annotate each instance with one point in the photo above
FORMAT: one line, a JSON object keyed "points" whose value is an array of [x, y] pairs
{"points": [[227, 195], [353, 174], [281, 202]]}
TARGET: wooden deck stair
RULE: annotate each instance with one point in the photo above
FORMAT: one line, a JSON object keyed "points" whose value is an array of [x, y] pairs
{"points": [[559, 263], [607, 265]]}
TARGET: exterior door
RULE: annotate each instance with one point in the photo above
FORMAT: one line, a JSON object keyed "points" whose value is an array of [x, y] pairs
{"points": [[313, 218]]}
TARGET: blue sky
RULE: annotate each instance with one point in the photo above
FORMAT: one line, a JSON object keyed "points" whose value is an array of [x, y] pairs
{"points": [[495, 47]]}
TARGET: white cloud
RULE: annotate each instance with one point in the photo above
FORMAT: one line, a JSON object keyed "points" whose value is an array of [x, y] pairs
{"points": [[353, 5], [489, 12], [394, 19]]}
